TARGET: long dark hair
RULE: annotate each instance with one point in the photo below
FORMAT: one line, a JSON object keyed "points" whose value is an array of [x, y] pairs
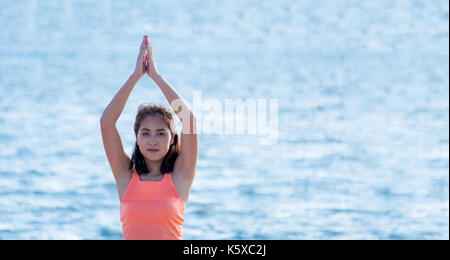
{"points": [[137, 160]]}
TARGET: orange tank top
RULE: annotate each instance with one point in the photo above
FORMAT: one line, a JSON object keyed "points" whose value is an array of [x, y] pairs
{"points": [[151, 210]]}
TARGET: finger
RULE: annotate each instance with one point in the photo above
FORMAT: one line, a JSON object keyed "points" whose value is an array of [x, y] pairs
{"points": [[142, 47], [148, 45], [145, 61]]}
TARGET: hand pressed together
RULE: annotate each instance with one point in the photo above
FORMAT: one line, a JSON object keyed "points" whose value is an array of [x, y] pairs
{"points": [[152, 71], [146, 62]]}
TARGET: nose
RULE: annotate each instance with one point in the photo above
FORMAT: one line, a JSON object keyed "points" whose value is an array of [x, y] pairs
{"points": [[152, 141]]}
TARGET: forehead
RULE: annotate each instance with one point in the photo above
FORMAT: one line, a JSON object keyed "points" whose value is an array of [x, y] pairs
{"points": [[153, 123]]}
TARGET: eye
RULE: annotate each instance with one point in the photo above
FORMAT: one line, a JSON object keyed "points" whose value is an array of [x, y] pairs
{"points": [[144, 134], [161, 133]]}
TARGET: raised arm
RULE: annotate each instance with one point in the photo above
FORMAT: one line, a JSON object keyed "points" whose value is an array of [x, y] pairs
{"points": [[187, 160], [115, 107], [117, 157]]}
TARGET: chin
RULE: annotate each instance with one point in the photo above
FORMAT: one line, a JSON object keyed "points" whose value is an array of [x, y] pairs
{"points": [[155, 156]]}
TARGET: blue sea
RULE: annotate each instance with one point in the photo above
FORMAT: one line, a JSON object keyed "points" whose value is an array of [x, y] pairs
{"points": [[362, 120]]}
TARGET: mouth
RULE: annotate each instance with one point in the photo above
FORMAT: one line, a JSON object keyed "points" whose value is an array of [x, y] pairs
{"points": [[153, 150]]}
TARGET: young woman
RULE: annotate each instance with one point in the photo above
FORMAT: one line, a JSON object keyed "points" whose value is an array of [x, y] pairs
{"points": [[153, 184]]}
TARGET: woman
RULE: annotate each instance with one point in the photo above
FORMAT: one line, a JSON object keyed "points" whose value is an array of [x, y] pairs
{"points": [[153, 184]]}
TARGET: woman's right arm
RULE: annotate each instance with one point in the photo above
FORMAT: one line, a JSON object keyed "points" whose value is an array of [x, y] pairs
{"points": [[117, 157]]}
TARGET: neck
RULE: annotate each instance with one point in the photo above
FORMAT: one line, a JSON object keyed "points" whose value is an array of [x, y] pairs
{"points": [[154, 167]]}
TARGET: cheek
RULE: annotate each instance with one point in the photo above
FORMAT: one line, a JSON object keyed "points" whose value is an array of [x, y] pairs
{"points": [[166, 141], [142, 140]]}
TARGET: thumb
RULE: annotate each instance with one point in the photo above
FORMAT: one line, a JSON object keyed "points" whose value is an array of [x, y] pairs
{"points": [[142, 47]]}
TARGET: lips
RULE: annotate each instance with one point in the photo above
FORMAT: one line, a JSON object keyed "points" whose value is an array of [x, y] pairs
{"points": [[153, 150]]}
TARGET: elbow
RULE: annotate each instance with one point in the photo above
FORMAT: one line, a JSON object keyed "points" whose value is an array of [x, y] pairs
{"points": [[193, 117], [193, 124], [102, 120], [107, 119], [102, 123], [189, 124], [106, 122], [193, 120]]}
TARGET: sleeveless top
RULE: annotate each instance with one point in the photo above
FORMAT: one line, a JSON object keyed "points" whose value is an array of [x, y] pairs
{"points": [[152, 210]]}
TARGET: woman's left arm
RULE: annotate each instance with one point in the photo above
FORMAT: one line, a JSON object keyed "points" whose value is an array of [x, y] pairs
{"points": [[187, 160]]}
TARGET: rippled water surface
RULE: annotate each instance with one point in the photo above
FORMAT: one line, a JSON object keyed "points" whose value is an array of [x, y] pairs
{"points": [[363, 112]]}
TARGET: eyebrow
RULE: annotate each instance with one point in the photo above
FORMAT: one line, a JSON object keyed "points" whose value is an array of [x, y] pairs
{"points": [[161, 129]]}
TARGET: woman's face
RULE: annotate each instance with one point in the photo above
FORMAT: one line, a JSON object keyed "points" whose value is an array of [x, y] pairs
{"points": [[154, 134]]}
